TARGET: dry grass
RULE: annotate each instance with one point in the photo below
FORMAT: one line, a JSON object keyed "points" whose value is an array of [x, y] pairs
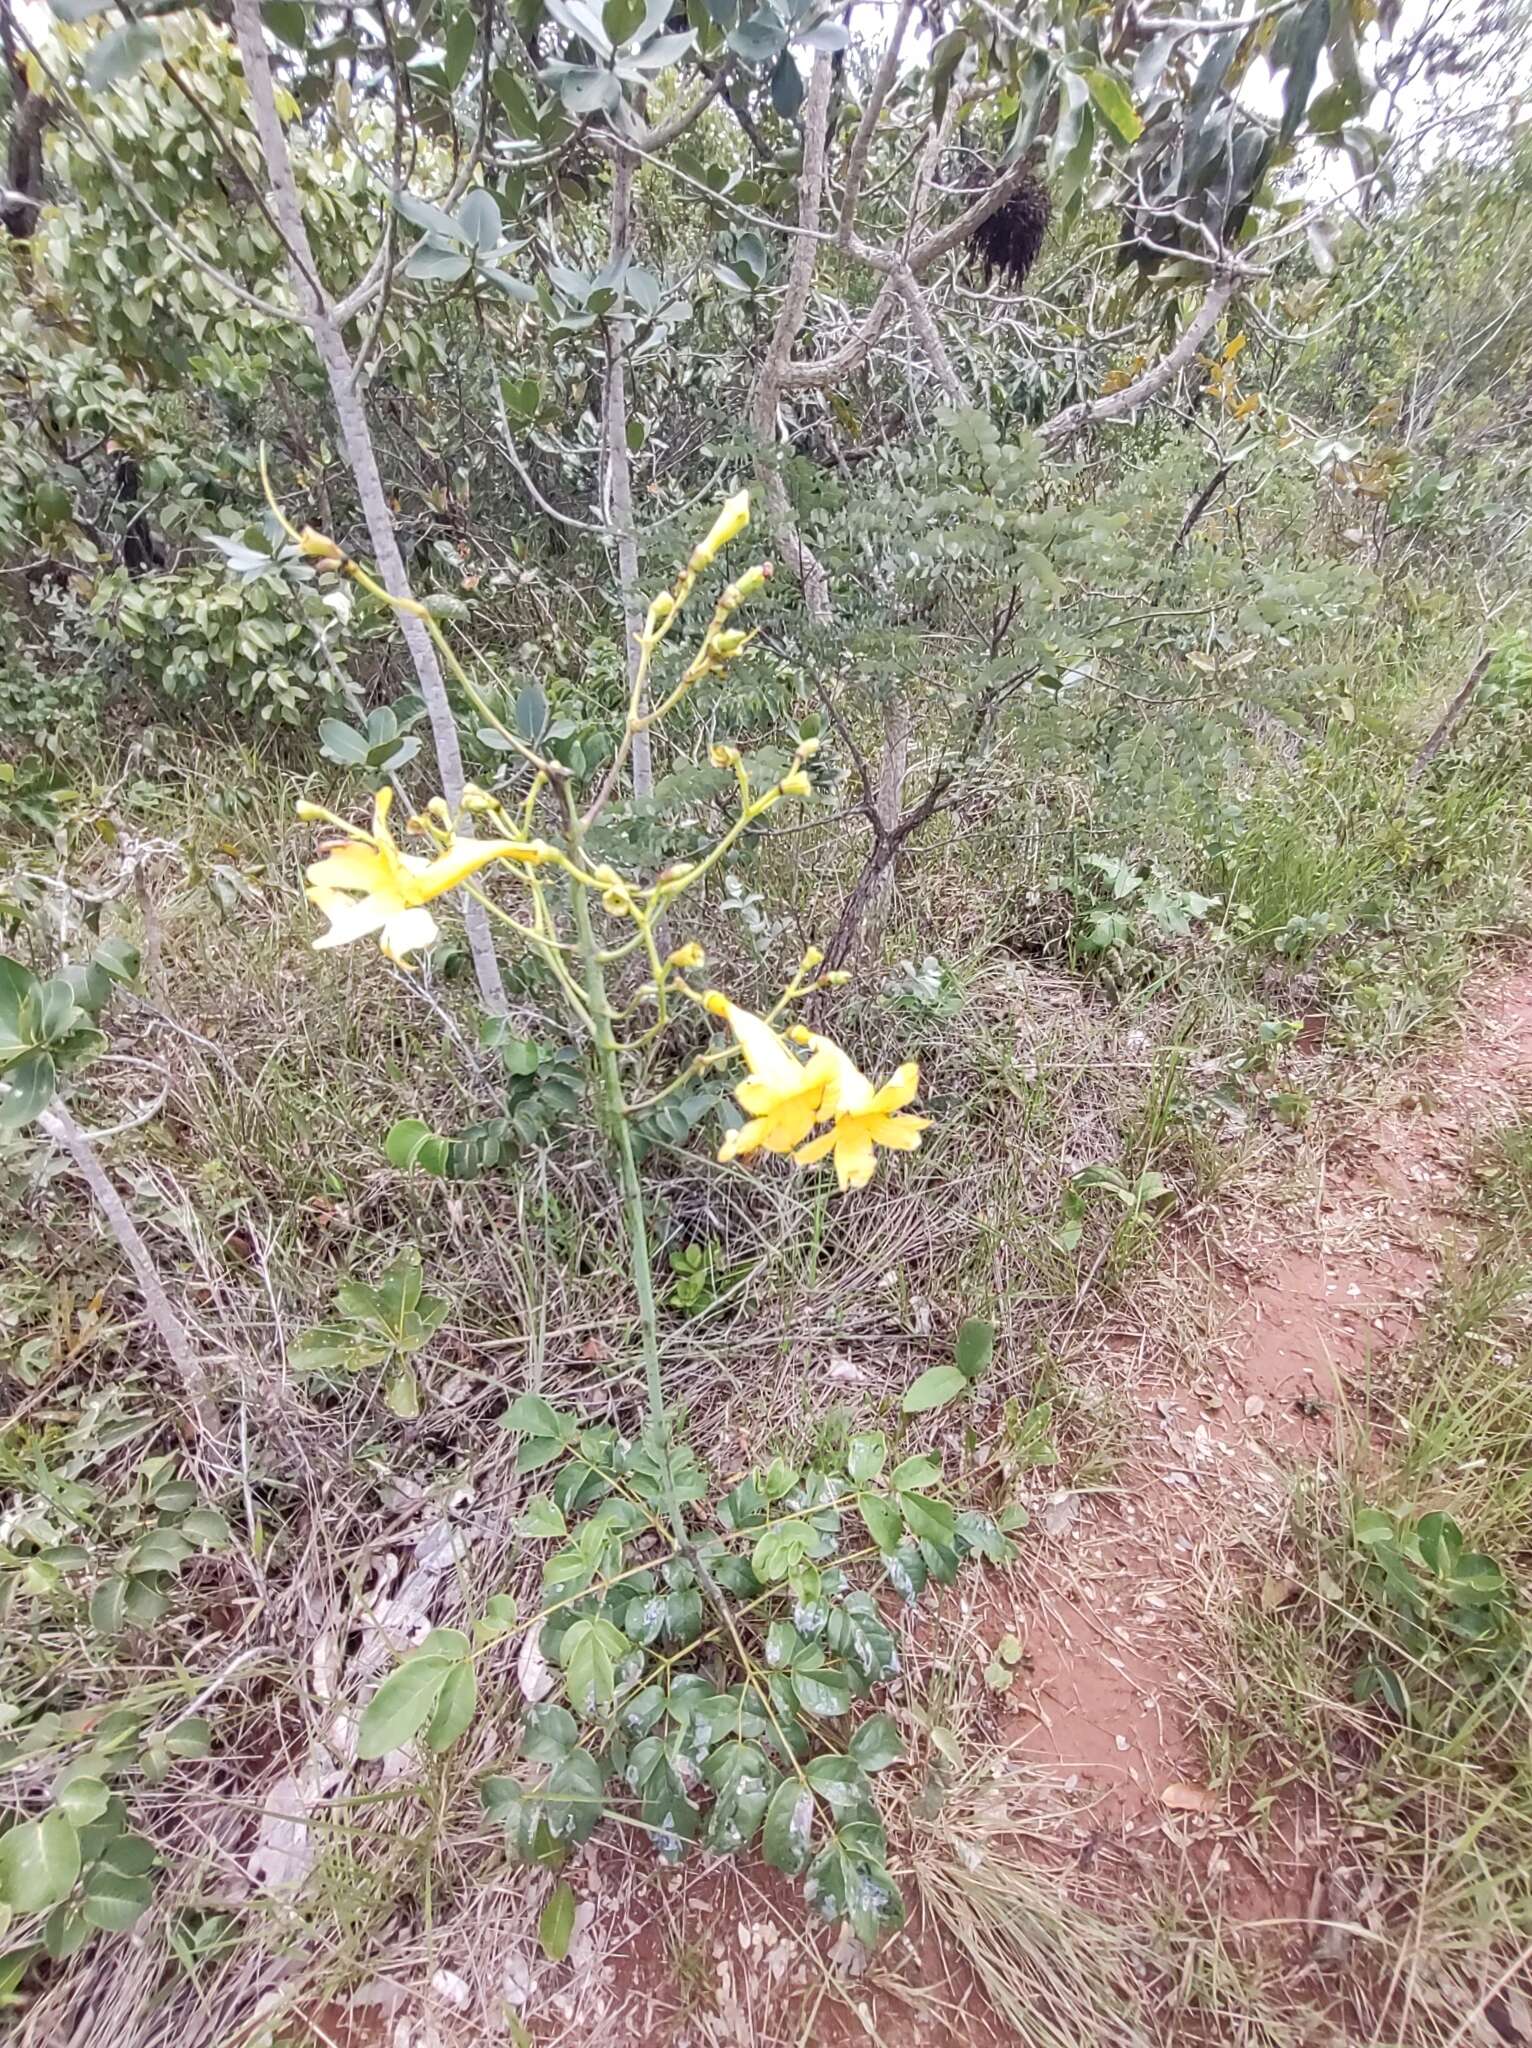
{"points": [[261, 1182]]}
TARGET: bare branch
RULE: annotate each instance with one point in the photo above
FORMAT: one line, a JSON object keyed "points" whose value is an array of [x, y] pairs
{"points": [[616, 465], [770, 379], [57, 1123], [1093, 412], [861, 142]]}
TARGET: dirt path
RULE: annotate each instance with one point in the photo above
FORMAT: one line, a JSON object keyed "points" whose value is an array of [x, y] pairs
{"points": [[1297, 1320]]}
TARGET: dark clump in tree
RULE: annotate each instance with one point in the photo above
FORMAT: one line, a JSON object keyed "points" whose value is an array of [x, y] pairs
{"points": [[1011, 240]]}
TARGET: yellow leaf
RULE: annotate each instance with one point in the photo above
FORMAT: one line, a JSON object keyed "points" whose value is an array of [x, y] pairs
{"points": [[1234, 347]]}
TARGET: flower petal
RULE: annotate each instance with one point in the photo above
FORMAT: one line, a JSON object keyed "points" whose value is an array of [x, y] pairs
{"points": [[465, 857], [790, 1123], [901, 1088], [847, 1088], [350, 917], [816, 1149], [855, 1159], [408, 931], [353, 866], [898, 1133], [765, 1055], [747, 1139]]}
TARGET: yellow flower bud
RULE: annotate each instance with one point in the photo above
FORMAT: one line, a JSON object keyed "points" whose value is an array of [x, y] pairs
{"points": [[836, 978], [715, 1003], [688, 956], [660, 610], [727, 645], [608, 877], [676, 872], [318, 547], [441, 811], [796, 784], [812, 958], [312, 814], [730, 523], [476, 799], [751, 584], [724, 757], [807, 749]]}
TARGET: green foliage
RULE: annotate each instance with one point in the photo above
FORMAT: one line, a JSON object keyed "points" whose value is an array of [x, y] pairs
{"points": [[695, 1285], [940, 1384], [931, 991], [48, 1029], [196, 637], [1452, 1633], [711, 1694], [545, 1089], [377, 1326], [384, 743], [109, 1557], [94, 1555], [1148, 1195]]}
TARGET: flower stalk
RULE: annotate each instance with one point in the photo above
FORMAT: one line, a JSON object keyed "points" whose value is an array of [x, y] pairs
{"points": [[796, 1082]]}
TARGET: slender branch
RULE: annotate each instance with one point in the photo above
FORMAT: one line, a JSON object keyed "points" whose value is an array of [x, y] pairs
{"points": [[57, 1124], [1093, 412], [356, 435], [618, 465], [861, 142], [770, 379], [1451, 718]]}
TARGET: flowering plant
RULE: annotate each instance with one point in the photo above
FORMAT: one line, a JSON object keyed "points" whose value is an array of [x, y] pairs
{"points": [[703, 1647]]}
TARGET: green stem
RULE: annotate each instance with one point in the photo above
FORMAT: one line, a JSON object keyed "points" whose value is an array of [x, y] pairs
{"points": [[614, 1116]]}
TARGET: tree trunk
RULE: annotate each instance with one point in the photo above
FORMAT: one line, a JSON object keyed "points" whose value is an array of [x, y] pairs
{"points": [[356, 438], [619, 468]]}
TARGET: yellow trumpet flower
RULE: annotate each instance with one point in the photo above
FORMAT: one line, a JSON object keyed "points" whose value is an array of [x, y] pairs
{"points": [[864, 1117], [730, 523], [366, 885], [782, 1094]]}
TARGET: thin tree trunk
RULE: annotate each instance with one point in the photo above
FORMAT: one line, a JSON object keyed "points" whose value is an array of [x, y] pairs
{"points": [[619, 468], [861, 905], [767, 390], [56, 1123], [356, 437], [1451, 718]]}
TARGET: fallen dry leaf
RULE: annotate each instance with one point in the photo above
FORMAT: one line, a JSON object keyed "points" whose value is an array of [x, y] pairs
{"points": [[1189, 1799], [532, 1672], [1276, 1593]]}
